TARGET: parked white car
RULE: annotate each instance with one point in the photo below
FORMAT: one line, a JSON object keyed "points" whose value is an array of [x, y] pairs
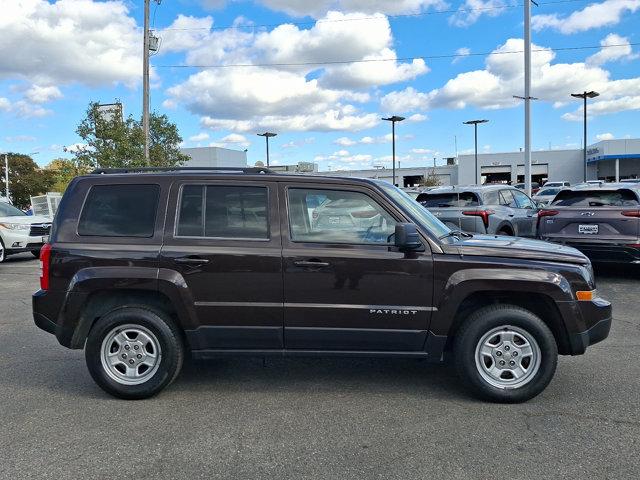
{"points": [[546, 194], [557, 184], [20, 232]]}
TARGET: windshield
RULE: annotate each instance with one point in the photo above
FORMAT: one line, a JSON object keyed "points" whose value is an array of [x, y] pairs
{"points": [[417, 212], [7, 210], [549, 191]]}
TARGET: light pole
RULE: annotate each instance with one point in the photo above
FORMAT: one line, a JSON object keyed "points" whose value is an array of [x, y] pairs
{"points": [[6, 177], [266, 136], [393, 121], [584, 96], [475, 134]]}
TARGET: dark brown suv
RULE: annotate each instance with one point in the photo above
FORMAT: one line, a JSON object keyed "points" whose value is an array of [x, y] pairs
{"points": [[145, 266]]}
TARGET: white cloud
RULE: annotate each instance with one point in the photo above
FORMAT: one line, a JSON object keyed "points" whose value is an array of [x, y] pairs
{"points": [[422, 151], [299, 143], [461, 53], [405, 100], [605, 136], [417, 117], [39, 94], [200, 137], [471, 10], [5, 104], [494, 86], [20, 138], [611, 53], [595, 15], [95, 43], [345, 142], [316, 8], [285, 97], [75, 147]]}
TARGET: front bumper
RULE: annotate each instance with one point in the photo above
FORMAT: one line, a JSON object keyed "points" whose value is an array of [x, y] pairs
{"points": [[16, 241], [597, 316], [603, 252]]}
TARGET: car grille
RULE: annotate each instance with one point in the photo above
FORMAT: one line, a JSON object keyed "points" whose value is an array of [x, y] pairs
{"points": [[39, 229]]}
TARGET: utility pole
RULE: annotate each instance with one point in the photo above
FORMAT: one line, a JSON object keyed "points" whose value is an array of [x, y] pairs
{"points": [[584, 95], [6, 177], [393, 121], [527, 97], [145, 83], [267, 136]]}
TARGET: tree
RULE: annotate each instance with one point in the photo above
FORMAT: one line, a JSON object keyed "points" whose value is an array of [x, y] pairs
{"points": [[431, 180], [62, 171], [116, 142], [26, 179]]}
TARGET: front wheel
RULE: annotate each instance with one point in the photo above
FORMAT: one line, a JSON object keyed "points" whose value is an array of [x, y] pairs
{"points": [[133, 352], [505, 354]]}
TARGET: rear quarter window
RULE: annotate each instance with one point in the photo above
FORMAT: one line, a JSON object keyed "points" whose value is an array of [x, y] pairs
{"points": [[622, 197], [119, 211], [444, 200]]}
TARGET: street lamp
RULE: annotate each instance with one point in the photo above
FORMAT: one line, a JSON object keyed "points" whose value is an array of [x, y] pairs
{"points": [[584, 96], [266, 136], [393, 121], [475, 132]]}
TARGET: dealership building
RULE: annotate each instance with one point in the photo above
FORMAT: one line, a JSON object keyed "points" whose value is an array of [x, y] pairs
{"points": [[609, 160]]}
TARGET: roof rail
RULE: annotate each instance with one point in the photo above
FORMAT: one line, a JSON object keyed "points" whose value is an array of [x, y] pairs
{"points": [[107, 171]]}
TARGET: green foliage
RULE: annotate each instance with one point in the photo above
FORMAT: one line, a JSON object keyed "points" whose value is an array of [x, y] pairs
{"points": [[431, 180], [26, 179], [62, 171], [119, 143]]}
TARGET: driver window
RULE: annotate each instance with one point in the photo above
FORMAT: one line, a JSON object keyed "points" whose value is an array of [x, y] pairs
{"points": [[332, 216], [522, 200]]}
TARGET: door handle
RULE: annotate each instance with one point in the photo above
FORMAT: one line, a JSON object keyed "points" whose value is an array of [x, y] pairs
{"points": [[311, 263], [192, 260]]}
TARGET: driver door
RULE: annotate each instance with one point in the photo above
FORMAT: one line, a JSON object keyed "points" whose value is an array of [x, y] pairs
{"points": [[345, 289]]}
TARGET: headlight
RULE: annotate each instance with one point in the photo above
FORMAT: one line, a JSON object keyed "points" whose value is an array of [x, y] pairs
{"points": [[16, 226]]}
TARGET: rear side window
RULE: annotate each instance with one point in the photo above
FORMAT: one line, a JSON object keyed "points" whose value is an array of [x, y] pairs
{"points": [[212, 211], [444, 200], [596, 198], [119, 211]]}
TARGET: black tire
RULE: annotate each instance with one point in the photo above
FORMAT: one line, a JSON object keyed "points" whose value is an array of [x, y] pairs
{"points": [[35, 253], [170, 344], [484, 321], [3, 252], [505, 232]]}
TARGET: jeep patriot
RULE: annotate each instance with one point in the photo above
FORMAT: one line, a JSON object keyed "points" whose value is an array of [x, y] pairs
{"points": [[146, 266]]}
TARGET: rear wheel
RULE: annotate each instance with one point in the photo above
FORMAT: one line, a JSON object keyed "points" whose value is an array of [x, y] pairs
{"points": [[505, 232], [133, 352], [505, 354]]}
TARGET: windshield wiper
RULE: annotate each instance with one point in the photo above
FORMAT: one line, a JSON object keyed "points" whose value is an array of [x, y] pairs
{"points": [[455, 233]]}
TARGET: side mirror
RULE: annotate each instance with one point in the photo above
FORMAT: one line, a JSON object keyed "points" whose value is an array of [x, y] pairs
{"points": [[407, 237]]}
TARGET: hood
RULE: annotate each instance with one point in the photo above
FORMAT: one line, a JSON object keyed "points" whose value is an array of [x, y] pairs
{"points": [[516, 247], [26, 219]]}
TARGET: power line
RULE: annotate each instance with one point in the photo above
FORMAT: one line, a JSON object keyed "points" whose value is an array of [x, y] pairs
{"points": [[402, 59], [359, 19]]}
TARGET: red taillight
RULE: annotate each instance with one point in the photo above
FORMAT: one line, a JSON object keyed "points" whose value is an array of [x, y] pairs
{"points": [[484, 214], [631, 213], [45, 255], [546, 213]]}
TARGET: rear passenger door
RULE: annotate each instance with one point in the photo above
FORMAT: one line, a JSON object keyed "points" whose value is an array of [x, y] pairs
{"points": [[224, 241]]}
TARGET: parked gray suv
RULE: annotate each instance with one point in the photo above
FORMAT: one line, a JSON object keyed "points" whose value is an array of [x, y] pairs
{"points": [[493, 209], [603, 221]]}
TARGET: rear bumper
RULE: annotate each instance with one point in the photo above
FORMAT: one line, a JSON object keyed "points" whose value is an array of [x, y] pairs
{"points": [[45, 315], [604, 252], [597, 316]]}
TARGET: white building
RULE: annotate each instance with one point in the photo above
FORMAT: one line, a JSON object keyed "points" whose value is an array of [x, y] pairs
{"points": [[215, 157], [609, 160]]}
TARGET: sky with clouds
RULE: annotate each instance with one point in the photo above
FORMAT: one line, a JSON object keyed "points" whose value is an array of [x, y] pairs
{"points": [[322, 73]]}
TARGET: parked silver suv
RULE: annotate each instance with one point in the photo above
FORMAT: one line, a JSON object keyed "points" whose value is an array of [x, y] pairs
{"points": [[493, 209]]}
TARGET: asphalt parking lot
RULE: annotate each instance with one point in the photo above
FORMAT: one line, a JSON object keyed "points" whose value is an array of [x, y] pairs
{"points": [[314, 418]]}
